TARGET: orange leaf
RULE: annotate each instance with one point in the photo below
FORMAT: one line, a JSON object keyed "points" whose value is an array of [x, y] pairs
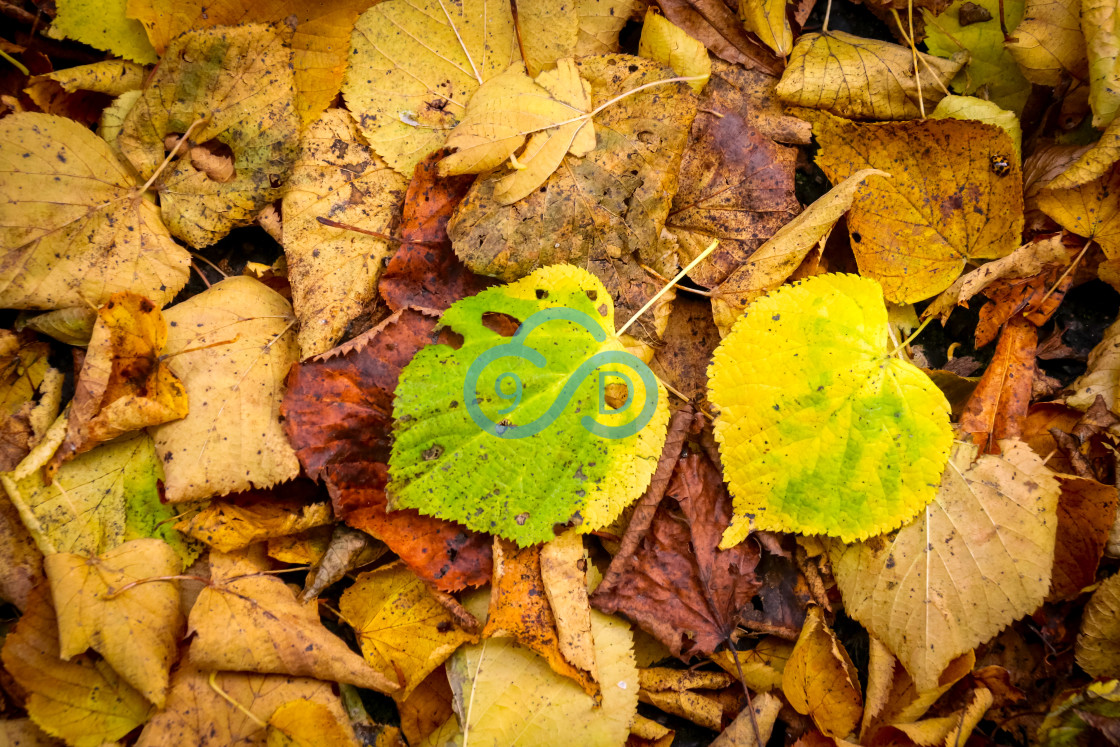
{"points": [[998, 406]]}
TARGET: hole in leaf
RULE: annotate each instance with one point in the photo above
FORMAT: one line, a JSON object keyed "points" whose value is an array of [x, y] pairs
{"points": [[503, 324], [215, 159]]}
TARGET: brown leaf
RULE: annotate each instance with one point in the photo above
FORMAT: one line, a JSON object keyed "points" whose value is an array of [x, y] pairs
{"points": [[752, 94], [1086, 512], [427, 707], [1036, 298], [21, 563], [721, 31], [999, 403], [677, 585], [564, 576], [689, 338]]}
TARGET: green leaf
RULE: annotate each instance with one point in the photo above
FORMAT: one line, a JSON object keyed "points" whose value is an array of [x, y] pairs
{"points": [[526, 460], [821, 430]]}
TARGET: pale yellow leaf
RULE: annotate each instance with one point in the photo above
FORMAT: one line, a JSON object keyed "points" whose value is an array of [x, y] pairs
{"points": [[663, 42], [563, 571], [1102, 377], [1100, 22], [600, 22], [548, 30], [740, 732]]}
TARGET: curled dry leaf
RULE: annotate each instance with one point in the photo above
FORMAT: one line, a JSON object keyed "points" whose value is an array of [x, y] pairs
{"points": [[30, 394], [73, 326], [231, 346], [564, 577], [741, 731], [238, 81], [238, 522], [978, 557], [75, 228], [820, 680], [1092, 163], [767, 20], [998, 406], [861, 78], [1098, 641]]}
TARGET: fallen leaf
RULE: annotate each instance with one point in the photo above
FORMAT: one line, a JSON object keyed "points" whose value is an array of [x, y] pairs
{"points": [[23, 732], [774, 261], [1035, 298], [991, 68], [587, 214], [1102, 377], [1048, 43], [677, 584], [767, 20], [913, 232], [1094, 162], [75, 226], [718, 27], [1098, 642], [689, 338], [309, 548], [663, 42], [753, 95], [547, 32], [1089, 713], [820, 680], [231, 346], [981, 110], [861, 78], [103, 25], [334, 271], [519, 609], [124, 385], [998, 406], [81, 700], [952, 729], [700, 708], [516, 699], [414, 66], [216, 709], [761, 666], [1086, 514], [79, 92], [426, 708], [788, 420], [600, 23], [564, 577], [30, 390], [21, 563], [238, 522], [976, 559], [73, 326], [1102, 43], [1091, 210], [249, 621], [137, 630], [437, 449], [238, 80], [305, 723]]}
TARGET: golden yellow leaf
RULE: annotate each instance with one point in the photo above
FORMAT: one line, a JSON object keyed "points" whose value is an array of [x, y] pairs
{"points": [[228, 525], [970, 107], [663, 42], [767, 19], [231, 346], [249, 621], [1093, 163], [414, 66], [741, 731], [51, 92], [699, 708], [1091, 210], [138, 630], [564, 575], [306, 723], [1048, 42], [123, 385], [1100, 22], [81, 700], [30, 395], [774, 261], [978, 558], [74, 228], [952, 729], [103, 24], [820, 680], [238, 81], [548, 30], [334, 271], [862, 78], [403, 631], [305, 548], [761, 666], [1098, 641], [426, 708], [950, 201], [219, 709]]}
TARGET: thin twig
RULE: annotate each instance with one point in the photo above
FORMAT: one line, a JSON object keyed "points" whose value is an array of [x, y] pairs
{"points": [[746, 691], [688, 268]]}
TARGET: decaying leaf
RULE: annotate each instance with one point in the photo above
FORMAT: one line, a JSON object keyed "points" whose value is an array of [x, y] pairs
{"points": [[1086, 514], [238, 81], [75, 228], [827, 433], [684, 693], [1102, 378], [137, 629], [564, 577], [998, 406], [976, 559], [236, 523], [948, 201], [21, 563], [717, 26], [334, 271], [1091, 713], [231, 346], [861, 78], [1098, 642], [305, 723], [820, 680], [1094, 162], [30, 395]]}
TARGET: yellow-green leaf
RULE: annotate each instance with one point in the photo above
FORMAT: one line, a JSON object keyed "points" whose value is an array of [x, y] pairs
{"points": [[1100, 22], [104, 24]]}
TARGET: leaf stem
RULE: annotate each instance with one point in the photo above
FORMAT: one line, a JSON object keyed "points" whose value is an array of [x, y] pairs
{"points": [[687, 269], [14, 62], [226, 696], [137, 582], [746, 691], [910, 339], [148, 184], [1068, 270]]}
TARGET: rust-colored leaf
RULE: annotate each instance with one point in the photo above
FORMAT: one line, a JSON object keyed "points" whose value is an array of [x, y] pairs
{"points": [[1086, 512], [999, 403]]}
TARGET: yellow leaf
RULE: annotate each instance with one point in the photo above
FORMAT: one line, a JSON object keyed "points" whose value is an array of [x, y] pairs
{"points": [[103, 24], [334, 271], [30, 395], [741, 731], [426, 708], [978, 558], [231, 346], [953, 729], [663, 42], [227, 525], [950, 201], [219, 709], [1091, 210], [820, 680], [73, 326], [514, 698], [862, 78], [305, 723], [81, 700], [564, 575], [1100, 22], [1098, 641], [123, 385], [549, 32], [970, 107], [319, 43], [138, 630], [74, 228], [248, 621], [1048, 43], [403, 631], [1103, 374], [600, 22], [773, 262], [238, 81], [1093, 163], [767, 19], [112, 77], [415, 64], [761, 666]]}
